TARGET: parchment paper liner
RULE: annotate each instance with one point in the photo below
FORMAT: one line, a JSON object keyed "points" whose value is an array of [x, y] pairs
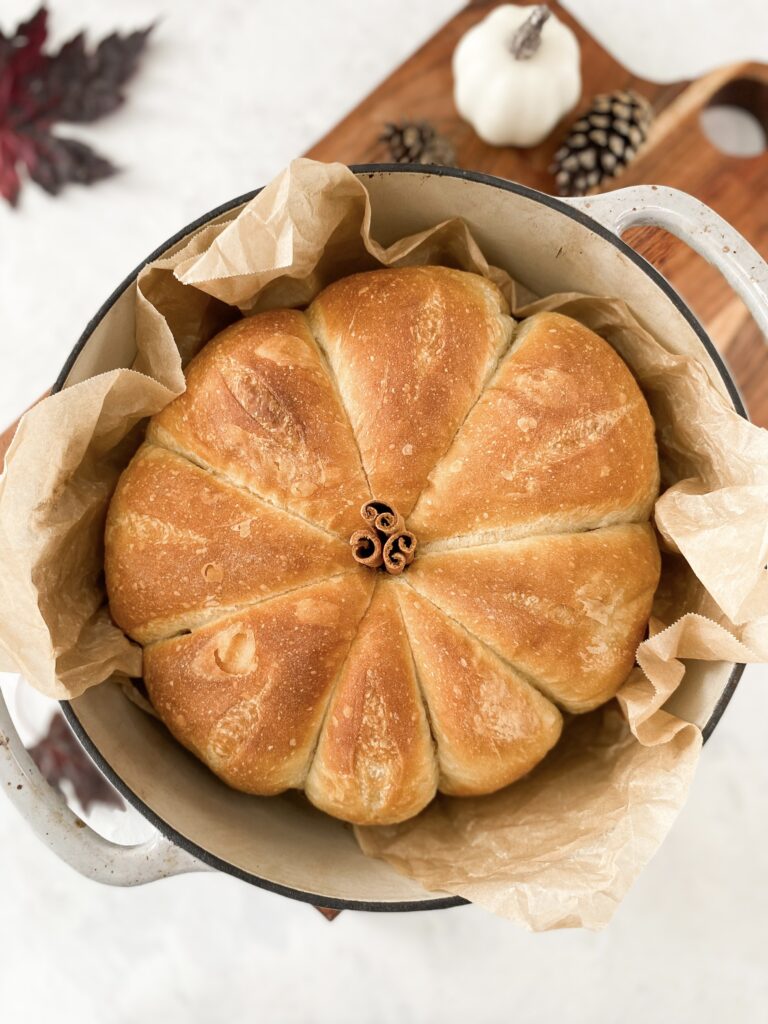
{"points": [[561, 847]]}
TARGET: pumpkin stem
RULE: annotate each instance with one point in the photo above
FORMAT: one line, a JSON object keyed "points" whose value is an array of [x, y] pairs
{"points": [[526, 41]]}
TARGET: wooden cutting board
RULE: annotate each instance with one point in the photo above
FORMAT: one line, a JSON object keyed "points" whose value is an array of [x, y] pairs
{"points": [[677, 154]]}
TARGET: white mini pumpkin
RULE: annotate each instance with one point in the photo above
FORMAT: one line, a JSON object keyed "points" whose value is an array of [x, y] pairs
{"points": [[516, 73]]}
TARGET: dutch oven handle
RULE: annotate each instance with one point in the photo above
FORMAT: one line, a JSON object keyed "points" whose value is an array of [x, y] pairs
{"points": [[695, 224], [68, 836]]}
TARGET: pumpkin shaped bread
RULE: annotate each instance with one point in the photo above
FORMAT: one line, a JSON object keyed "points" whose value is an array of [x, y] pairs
{"points": [[376, 548]]}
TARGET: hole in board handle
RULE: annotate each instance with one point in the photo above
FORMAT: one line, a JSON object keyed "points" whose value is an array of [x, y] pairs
{"points": [[735, 120]]}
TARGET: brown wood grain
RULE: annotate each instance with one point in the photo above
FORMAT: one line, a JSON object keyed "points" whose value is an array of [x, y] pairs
{"points": [[422, 89], [677, 154], [328, 913]]}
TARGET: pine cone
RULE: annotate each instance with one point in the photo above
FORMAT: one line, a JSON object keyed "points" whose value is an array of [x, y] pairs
{"points": [[602, 142], [417, 142]]}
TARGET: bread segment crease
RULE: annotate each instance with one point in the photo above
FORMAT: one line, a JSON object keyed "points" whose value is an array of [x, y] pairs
{"points": [[524, 467]]}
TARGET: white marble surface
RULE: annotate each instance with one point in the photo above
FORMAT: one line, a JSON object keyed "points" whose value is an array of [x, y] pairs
{"points": [[229, 92]]}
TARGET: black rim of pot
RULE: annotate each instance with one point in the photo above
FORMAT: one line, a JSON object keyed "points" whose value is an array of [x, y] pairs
{"points": [[371, 170]]}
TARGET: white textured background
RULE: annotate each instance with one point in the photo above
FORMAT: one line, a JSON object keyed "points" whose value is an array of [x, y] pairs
{"points": [[228, 93]]}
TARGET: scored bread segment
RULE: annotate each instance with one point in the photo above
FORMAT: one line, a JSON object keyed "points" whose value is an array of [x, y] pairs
{"points": [[375, 763], [261, 408], [491, 726], [240, 520], [247, 693], [411, 350], [567, 610], [182, 545], [561, 440]]}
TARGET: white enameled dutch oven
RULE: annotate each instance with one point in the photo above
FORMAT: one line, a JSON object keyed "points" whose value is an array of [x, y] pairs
{"points": [[282, 843]]}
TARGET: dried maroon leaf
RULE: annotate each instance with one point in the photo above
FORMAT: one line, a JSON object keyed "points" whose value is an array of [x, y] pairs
{"points": [[37, 90], [59, 756], [9, 178], [87, 86], [58, 162]]}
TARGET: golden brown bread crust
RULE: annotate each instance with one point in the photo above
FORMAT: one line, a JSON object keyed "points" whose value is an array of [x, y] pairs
{"points": [[182, 545], [567, 610], [561, 440], [261, 408], [303, 670], [375, 762], [247, 693], [491, 726], [411, 350]]}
